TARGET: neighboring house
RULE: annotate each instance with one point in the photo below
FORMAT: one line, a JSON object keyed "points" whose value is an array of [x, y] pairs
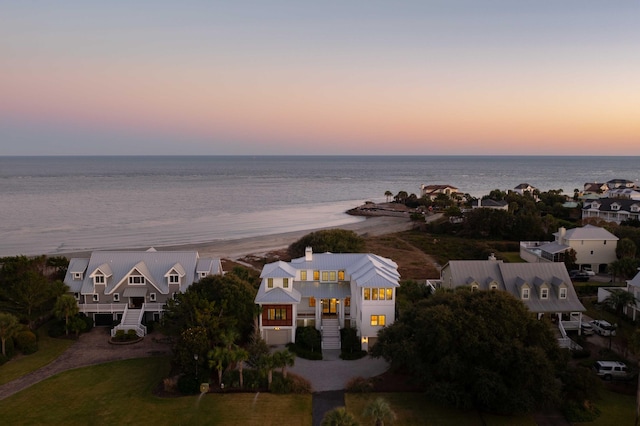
{"points": [[524, 188], [328, 291], [133, 286], [545, 288], [626, 193], [432, 191], [595, 247], [488, 203], [620, 183], [612, 209], [595, 188], [633, 286]]}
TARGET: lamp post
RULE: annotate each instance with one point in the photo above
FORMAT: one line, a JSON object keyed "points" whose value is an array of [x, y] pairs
{"points": [[195, 357]]}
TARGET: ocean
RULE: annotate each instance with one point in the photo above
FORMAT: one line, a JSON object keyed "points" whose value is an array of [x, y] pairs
{"points": [[57, 205]]}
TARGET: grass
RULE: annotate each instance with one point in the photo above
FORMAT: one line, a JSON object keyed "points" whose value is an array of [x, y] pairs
{"points": [[121, 393], [48, 350], [415, 408], [615, 409], [512, 257]]}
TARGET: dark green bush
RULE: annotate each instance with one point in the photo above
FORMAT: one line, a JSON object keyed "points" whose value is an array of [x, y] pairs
{"points": [[120, 336], [88, 321], [131, 335], [56, 329], [349, 340], [292, 384], [26, 342], [359, 385], [188, 385], [576, 413], [308, 338]]}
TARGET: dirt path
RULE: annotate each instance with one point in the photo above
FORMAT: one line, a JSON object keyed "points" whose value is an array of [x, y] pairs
{"points": [[90, 349]]}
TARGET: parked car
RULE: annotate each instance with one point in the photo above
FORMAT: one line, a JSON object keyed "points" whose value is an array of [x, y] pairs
{"points": [[588, 270], [580, 276], [586, 329], [603, 328], [609, 370]]}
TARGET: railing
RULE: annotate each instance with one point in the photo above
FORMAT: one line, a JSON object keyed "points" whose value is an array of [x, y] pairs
{"points": [[141, 330], [102, 308]]}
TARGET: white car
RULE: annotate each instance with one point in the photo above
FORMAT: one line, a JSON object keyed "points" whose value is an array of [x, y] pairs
{"points": [[588, 271], [603, 328]]}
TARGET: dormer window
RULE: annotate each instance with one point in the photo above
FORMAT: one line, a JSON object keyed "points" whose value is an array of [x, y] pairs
{"points": [[635, 208], [174, 279], [136, 279], [340, 275], [615, 206], [544, 293], [77, 275], [525, 293], [98, 279], [493, 286], [303, 275], [285, 283], [269, 282], [474, 287], [203, 274], [562, 293], [316, 275]]}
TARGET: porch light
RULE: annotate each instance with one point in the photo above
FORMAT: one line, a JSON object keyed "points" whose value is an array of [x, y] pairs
{"points": [[365, 339], [276, 328]]}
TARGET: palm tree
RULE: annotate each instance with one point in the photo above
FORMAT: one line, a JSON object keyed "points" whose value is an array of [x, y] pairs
{"points": [[379, 411], [339, 417], [618, 300], [268, 362], [9, 324], [217, 357], [284, 359], [65, 307], [239, 356], [388, 194]]}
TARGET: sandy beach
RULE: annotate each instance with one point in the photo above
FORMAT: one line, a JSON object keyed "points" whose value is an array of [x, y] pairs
{"points": [[259, 245]]}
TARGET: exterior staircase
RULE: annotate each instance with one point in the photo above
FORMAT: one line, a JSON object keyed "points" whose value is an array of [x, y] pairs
{"points": [[131, 320], [330, 333]]}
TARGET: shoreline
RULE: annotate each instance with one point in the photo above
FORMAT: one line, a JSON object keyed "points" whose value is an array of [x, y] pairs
{"points": [[260, 245]]}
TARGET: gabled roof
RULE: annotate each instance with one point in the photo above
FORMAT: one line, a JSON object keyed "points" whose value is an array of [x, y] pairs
{"points": [[635, 281], [152, 264], [523, 186], [604, 204], [588, 232], [278, 269], [277, 295], [512, 277]]}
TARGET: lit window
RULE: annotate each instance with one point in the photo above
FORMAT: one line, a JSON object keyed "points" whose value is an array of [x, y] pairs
{"points": [[96, 297], [378, 320], [525, 294], [303, 275], [270, 282], [277, 314], [389, 294], [152, 297], [381, 293], [374, 294], [312, 302], [367, 293], [116, 297], [563, 293], [316, 275], [347, 301], [325, 275], [285, 282], [544, 293], [341, 275], [332, 275]]}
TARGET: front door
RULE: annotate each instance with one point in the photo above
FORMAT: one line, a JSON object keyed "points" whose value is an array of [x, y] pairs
{"points": [[329, 306], [136, 302]]}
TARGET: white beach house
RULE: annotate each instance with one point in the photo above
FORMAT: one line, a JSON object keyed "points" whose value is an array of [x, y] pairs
{"points": [[328, 291]]}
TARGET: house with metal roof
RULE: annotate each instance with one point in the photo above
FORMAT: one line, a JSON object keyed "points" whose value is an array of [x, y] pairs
{"points": [[328, 291], [612, 209], [545, 288], [595, 247], [133, 286]]}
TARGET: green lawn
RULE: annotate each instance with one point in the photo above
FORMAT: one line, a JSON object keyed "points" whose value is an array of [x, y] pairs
{"points": [[121, 393], [48, 350], [616, 410], [415, 408]]}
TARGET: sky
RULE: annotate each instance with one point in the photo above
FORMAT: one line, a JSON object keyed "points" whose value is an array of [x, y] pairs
{"points": [[467, 77]]}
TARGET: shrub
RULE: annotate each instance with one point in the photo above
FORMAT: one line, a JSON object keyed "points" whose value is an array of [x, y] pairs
{"points": [[131, 335], [359, 385], [188, 385], [291, 384], [26, 342], [257, 348], [119, 335], [304, 353], [87, 320], [577, 413], [308, 338], [56, 329], [170, 384]]}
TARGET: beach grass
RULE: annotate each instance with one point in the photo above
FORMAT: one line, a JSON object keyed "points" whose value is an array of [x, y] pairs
{"points": [[48, 350], [121, 393]]}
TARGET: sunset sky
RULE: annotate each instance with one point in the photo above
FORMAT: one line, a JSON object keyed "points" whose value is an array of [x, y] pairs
{"points": [[543, 77]]}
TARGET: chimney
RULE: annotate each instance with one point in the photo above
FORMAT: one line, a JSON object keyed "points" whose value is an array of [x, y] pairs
{"points": [[308, 254], [562, 233], [492, 256]]}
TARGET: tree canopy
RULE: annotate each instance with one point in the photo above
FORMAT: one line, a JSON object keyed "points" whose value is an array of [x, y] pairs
{"points": [[481, 350], [328, 240]]}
